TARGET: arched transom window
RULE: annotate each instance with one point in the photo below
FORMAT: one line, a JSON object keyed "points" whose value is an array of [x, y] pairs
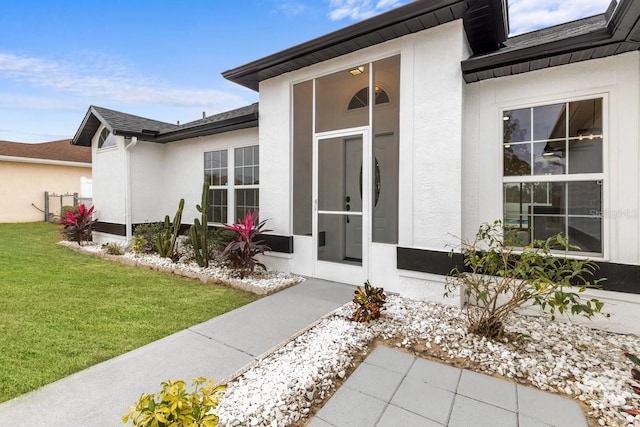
{"points": [[361, 98]]}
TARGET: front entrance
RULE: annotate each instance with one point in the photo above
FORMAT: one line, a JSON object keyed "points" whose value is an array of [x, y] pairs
{"points": [[341, 214]]}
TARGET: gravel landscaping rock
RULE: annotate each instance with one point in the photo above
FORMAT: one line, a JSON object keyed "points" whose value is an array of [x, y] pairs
{"points": [[259, 282], [582, 363]]}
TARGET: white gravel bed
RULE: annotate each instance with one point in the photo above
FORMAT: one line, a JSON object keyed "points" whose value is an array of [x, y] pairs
{"points": [[259, 282], [573, 360]]}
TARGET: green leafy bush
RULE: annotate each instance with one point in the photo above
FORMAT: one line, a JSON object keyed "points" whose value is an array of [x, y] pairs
{"points": [[496, 281], [635, 375], [78, 224], [174, 406], [64, 211], [113, 248], [149, 232], [369, 302], [138, 245]]}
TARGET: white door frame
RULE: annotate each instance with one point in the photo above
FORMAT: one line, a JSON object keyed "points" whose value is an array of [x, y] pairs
{"points": [[335, 271]]}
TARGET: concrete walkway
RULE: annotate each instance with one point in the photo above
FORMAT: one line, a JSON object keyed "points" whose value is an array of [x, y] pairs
{"points": [[390, 388], [100, 395], [394, 389]]}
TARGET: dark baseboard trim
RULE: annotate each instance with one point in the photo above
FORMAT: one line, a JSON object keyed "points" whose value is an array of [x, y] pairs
{"points": [[277, 243], [110, 228], [619, 277]]}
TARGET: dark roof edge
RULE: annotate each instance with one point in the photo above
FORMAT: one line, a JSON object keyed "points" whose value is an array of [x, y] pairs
{"points": [[372, 24], [227, 125]]}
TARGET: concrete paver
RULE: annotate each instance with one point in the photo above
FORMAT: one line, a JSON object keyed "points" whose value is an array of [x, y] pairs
{"points": [[433, 394]]}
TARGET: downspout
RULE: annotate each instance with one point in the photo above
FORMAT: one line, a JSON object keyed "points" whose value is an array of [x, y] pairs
{"points": [[127, 202]]}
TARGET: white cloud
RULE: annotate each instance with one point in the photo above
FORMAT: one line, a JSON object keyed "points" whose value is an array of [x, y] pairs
{"points": [[357, 10], [105, 80], [290, 8], [529, 15]]}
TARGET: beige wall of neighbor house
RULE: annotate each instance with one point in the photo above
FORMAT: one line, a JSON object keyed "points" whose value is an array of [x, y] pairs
{"points": [[23, 183], [28, 170]]}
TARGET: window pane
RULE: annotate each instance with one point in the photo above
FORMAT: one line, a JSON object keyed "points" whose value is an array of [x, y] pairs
{"points": [[585, 155], [585, 198], [517, 159], [586, 233], [238, 179], [549, 158], [548, 226], [256, 175], [517, 125], [302, 161], [216, 211], [248, 176], [246, 200], [549, 122], [585, 118], [239, 157], [333, 93], [549, 198], [517, 201], [248, 156]]}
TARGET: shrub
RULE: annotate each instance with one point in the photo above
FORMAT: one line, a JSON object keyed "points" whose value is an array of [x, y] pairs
{"points": [[174, 406], [139, 244], [369, 302], [149, 232], [77, 224], [241, 252], [113, 248], [635, 375], [166, 240], [496, 281], [217, 240]]}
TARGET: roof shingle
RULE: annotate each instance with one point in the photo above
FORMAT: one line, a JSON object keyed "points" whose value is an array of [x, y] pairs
{"points": [[55, 150]]}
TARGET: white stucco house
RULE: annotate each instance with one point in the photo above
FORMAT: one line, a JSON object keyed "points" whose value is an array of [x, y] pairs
{"points": [[467, 126]]}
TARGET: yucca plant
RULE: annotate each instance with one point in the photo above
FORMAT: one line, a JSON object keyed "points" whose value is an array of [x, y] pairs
{"points": [[635, 374], [369, 303], [174, 406]]}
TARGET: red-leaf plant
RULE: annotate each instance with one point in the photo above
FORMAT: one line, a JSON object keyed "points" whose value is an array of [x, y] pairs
{"points": [[241, 252], [77, 224]]}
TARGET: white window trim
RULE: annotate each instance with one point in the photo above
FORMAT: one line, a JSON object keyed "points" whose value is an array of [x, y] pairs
{"points": [[603, 176], [231, 186]]}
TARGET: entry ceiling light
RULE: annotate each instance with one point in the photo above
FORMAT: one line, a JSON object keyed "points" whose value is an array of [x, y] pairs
{"points": [[357, 70]]}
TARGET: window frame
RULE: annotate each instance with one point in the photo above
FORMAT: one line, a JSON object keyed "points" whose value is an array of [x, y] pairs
{"points": [[230, 185], [109, 140], [566, 177]]}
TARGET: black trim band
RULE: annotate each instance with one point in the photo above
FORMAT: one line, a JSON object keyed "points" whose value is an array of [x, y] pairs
{"points": [[282, 244], [619, 277], [110, 228]]}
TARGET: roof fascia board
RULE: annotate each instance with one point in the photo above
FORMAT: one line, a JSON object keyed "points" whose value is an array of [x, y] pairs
{"points": [[373, 24], [44, 161], [593, 39]]}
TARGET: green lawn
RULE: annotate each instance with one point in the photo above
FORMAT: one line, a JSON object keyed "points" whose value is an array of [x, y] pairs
{"points": [[61, 311]]}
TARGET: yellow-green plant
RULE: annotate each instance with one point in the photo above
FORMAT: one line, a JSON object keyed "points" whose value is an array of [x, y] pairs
{"points": [[139, 244], [496, 281], [369, 303], [113, 248], [174, 406]]}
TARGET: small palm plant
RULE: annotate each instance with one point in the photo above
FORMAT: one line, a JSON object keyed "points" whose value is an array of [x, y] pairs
{"points": [[241, 252]]}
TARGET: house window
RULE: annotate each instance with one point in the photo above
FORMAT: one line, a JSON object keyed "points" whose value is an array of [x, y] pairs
{"points": [[105, 139], [215, 173], [553, 173], [361, 98], [247, 178], [231, 199]]}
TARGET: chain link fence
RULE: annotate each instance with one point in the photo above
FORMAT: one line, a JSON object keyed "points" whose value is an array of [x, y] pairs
{"points": [[54, 204]]}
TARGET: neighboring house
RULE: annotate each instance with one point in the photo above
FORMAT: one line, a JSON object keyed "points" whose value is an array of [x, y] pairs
{"points": [[467, 126], [28, 170]]}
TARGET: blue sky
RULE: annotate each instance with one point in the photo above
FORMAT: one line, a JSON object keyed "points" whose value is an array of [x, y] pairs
{"points": [[162, 59]]}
